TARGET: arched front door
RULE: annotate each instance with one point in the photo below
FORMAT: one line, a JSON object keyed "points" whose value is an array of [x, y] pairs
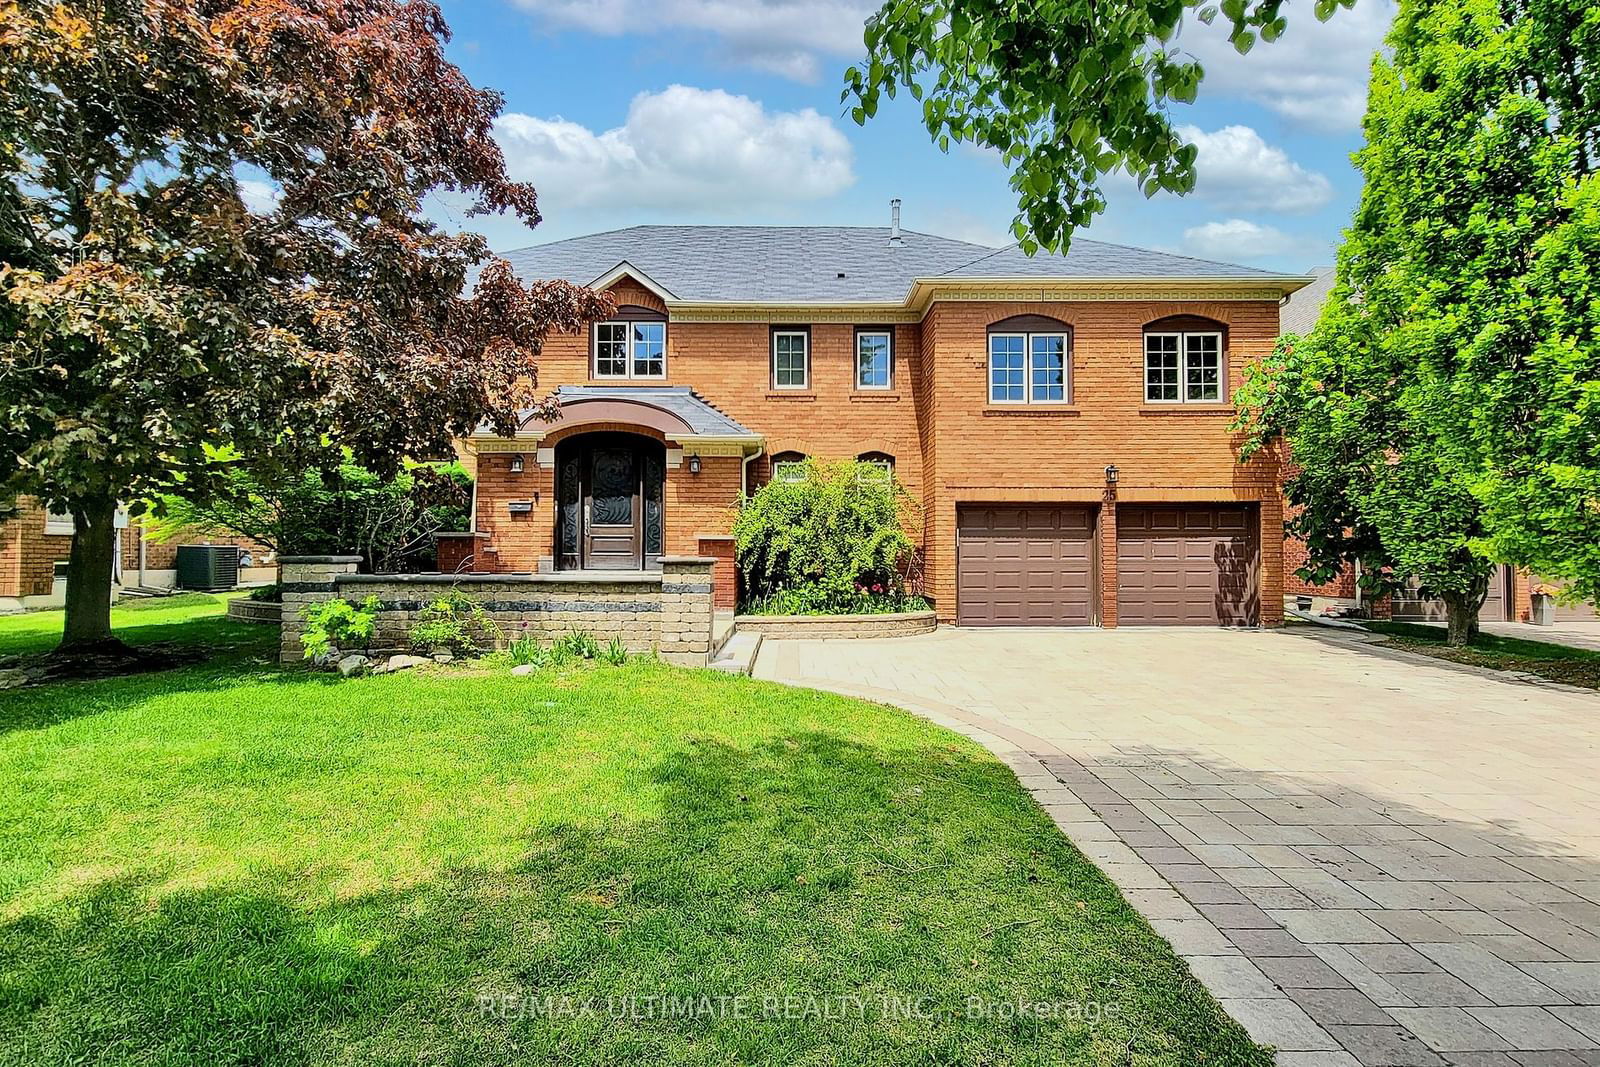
{"points": [[609, 502]]}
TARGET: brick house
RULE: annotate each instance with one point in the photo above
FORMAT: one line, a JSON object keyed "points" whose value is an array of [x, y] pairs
{"points": [[1063, 420], [35, 545]]}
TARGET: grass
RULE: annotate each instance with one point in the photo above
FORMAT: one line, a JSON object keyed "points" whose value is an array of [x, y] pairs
{"points": [[234, 863], [1559, 663]]}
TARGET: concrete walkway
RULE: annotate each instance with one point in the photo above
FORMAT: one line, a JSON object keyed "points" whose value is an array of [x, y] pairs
{"points": [[1368, 861]]}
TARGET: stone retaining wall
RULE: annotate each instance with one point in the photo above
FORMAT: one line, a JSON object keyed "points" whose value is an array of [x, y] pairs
{"points": [[666, 611], [243, 609], [902, 624]]}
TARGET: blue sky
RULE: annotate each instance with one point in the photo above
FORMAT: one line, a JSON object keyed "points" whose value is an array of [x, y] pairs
{"points": [[727, 111]]}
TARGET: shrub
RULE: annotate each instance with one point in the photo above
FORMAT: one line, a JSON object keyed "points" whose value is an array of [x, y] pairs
{"points": [[337, 625], [839, 529], [389, 521], [269, 593], [453, 623]]}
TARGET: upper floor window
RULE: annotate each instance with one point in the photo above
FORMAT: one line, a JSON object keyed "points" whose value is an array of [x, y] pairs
{"points": [[874, 359], [1030, 361], [635, 348], [791, 359], [59, 523], [1183, 367], [789, 467]]}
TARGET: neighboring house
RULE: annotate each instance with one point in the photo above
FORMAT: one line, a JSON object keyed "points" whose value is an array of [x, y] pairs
{"points": [[1063, 420], [35, 545]]}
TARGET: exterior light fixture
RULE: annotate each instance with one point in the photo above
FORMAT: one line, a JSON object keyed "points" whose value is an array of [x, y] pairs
{"points": [[1112, 474], [516, 463], [694, 463]]}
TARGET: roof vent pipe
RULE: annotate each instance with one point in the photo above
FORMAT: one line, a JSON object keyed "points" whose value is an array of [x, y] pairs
{"points": [[894, 221]]}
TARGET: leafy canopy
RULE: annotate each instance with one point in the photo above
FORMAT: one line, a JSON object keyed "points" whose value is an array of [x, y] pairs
{"points": [[1066, 91], [212, 236], [1446, 412]]}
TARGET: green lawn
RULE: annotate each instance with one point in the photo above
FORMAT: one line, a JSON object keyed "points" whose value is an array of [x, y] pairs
{"points": [[1560, 663], [234, 863]]}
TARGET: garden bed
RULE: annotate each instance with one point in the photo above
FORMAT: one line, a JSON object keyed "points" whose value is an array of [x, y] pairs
{"points": [[895, 624]]}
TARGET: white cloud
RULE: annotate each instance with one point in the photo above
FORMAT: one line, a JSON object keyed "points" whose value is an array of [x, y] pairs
{"points": [[681, 149], [1237, 167], [785, 37], [1315, 74], [1238, 239]]}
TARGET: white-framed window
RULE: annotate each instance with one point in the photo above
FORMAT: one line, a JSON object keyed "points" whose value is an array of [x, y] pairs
{"points": [[874, 359], [789, 467], [59, 524], [791, 359], [876, 467], [1030, 368], [1183, 368], [630, 350]]}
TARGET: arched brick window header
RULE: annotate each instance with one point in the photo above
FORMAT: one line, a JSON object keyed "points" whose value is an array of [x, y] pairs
{"points": [[1186, 324], [1030, 324]]}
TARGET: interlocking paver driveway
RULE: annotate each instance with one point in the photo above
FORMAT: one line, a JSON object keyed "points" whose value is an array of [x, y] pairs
{"points": [[1367, 860]]}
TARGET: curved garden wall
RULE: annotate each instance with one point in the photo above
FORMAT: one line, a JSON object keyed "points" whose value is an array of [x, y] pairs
{"points": [[901, 624]]}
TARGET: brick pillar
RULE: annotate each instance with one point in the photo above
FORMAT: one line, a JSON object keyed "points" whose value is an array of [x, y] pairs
{"points": [[724, 575], [306, 580], [1108, 560], [1270, 581], [686, 590]]}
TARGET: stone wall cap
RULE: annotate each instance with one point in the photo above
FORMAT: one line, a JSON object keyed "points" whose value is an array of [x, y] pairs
{"points": [[462, 533], [555, 578], [754, 621], [709, 561], [319, 559]]}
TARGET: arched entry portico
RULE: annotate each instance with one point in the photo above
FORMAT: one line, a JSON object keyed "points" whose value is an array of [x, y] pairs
{"points": [[609, 501]]}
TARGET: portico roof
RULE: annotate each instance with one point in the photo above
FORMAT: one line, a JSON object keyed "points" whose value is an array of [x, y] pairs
{"points": [[676, 411]]}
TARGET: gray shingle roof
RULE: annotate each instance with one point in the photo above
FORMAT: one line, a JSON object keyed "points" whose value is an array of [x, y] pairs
{"points": [[680, 400], [1304, 307], [830, 264]]}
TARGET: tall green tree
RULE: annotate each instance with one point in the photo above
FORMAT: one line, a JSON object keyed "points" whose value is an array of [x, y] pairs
{"points": [[212, 240], [1066, 91], [1446, 411]]}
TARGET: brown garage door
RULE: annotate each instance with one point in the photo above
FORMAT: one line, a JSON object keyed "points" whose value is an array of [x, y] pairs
{"points": [[1180, 565], [1025, 566]]}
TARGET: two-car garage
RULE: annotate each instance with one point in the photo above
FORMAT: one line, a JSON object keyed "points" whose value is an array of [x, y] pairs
{"points": [[1039, 565]]}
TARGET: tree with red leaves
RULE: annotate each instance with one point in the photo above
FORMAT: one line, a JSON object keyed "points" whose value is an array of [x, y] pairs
{"points": [[213, 251]]}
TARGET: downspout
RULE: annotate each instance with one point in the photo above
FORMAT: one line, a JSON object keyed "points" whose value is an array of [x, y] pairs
{"points": [[744, 471], [144, 556]]}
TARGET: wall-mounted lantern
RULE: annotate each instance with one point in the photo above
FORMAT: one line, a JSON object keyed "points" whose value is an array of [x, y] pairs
{"points": [[516, 463], [694, 463], [1112, 474]]}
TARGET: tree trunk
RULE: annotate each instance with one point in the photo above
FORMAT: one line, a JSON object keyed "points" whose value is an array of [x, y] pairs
{"points": [[94, 540], [1461, 620]]}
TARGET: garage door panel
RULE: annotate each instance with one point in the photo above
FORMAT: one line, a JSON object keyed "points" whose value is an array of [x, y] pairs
{"points": [[1187, 565], [1020, 566]]}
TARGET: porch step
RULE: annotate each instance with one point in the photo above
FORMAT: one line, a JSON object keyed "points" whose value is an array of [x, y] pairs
{"points": [[738, 653]]}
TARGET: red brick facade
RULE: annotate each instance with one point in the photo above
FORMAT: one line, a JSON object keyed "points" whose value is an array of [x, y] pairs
{"points": [[950, 445], [28, 553]]}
